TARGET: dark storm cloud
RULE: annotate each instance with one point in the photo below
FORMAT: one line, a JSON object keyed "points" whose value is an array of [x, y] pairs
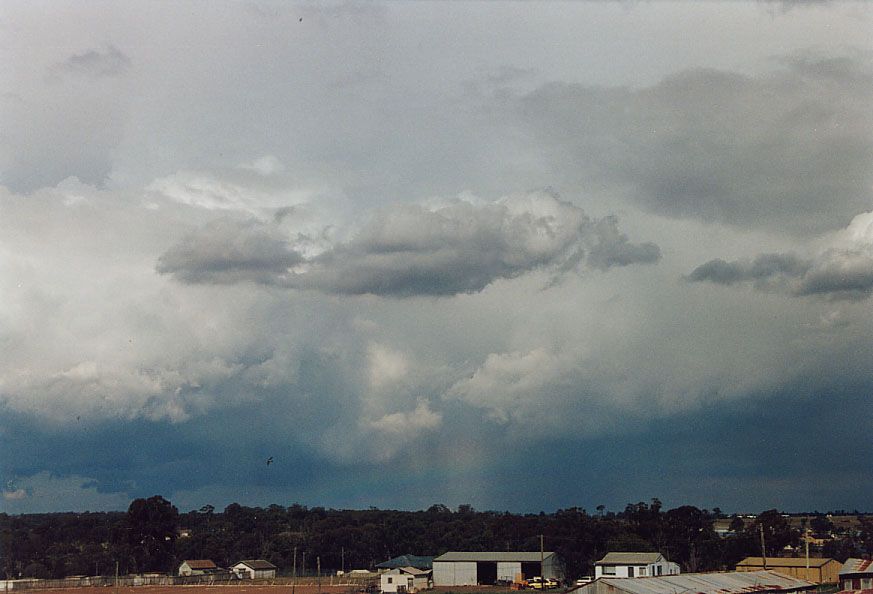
{"points": [[227, 251], [787, 149], [410, 250], [97, 64], [838, 274]]}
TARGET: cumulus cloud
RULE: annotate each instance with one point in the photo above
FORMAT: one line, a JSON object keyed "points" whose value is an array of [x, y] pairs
{"points": [[412, 250], [842, 271], [787, 149], [15, 495]]}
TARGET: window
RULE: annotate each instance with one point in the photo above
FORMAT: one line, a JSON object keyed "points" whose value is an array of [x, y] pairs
{"points": [[390, 580], [643, 572], [609, 570]]}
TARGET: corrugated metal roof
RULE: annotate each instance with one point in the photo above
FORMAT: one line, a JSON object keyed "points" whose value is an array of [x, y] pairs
{"points": [[200, 563], [783, 562], [421, 562], [415, 571], [258, 564], [629, 558], [734, 582], [857, 566], [524, 557]]}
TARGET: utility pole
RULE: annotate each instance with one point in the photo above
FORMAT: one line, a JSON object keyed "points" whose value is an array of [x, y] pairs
{"points": [[343, 560], [542, 561], [303, 570], [763, 547], [806, 542], [294, 572], [116, 577], [318, 564]]}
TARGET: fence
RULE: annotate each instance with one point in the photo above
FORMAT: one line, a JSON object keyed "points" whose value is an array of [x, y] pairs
{"points": [[215, 579]]}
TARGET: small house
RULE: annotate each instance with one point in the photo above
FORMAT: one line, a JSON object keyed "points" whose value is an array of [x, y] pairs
{"points": [[197, 567], [624, 565], [254, 569], [406, 579]]}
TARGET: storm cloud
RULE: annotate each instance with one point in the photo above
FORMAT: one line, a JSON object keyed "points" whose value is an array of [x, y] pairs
{"points": [[788, 149], [413, 250]]}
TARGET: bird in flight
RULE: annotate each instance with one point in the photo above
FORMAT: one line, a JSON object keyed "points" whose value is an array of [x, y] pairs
{"points": [[269, 460]]}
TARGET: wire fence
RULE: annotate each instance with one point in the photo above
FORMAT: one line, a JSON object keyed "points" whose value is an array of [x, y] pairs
{"points": [[215, 579]]}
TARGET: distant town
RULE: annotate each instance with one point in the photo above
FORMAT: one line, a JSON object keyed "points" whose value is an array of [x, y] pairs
{"points": [[642, 549]]}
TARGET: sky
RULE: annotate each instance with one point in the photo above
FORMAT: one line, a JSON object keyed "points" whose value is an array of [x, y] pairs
{"points": [[522, 256]]}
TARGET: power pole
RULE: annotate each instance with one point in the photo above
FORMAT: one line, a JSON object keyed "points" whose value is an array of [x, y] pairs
{"points": [[303, 570], [343, 560], [542, 561], [806, 542], [116, 577], [763, 548], [318, 564], [294, 572]]}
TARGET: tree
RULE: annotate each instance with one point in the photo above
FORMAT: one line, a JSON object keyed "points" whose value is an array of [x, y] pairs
{"points": [[778, 534], [151, 533]]}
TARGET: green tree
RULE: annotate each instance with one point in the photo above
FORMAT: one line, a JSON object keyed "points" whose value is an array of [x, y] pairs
{"points": [[151, 533]]}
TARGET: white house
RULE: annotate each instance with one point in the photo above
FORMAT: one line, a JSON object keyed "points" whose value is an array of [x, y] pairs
{"points": [[254, 569], [623, 565], [197, 567], [406, 579]]}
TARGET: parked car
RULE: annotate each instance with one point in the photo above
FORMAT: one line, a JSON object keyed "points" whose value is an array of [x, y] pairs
{"points": [[584, 580]]}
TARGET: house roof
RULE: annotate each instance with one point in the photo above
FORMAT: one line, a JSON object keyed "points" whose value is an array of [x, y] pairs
{"points": [[257, 564], [200, 563], [783, 562], [414, 571], [857, 566], [629, 558], [734, 582], [417, 561], [524, 557]]}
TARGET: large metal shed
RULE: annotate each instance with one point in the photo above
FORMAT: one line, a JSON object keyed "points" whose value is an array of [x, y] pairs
{"points": [[472, 568], [733, 582]]}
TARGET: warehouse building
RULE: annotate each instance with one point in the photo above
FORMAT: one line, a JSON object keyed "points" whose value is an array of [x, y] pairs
{"points": [[815, 569], [759, 582], [467, 568]]}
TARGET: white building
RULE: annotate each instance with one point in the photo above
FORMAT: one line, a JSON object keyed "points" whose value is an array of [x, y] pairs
{"points": [[622, 565], [254, 569], [406, 579], [467, 568]]}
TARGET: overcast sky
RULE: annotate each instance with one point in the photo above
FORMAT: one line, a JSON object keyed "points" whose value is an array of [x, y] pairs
{"points": [[523, 256]]}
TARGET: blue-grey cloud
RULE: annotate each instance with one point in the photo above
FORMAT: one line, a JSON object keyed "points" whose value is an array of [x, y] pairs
{"points": [[411, 250], [227, 251], [788, 149], [838, 274]]}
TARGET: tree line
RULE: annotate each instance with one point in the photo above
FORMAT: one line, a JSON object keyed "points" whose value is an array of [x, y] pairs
{"points": [[154, 536]]}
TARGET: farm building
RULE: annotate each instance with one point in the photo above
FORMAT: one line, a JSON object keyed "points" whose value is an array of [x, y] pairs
{"points": [[816, 570], [406, 579], [198, 567], [760, 582], [622, 565], [416, 561], [254, 569], [466, 568], [856, 574]]}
